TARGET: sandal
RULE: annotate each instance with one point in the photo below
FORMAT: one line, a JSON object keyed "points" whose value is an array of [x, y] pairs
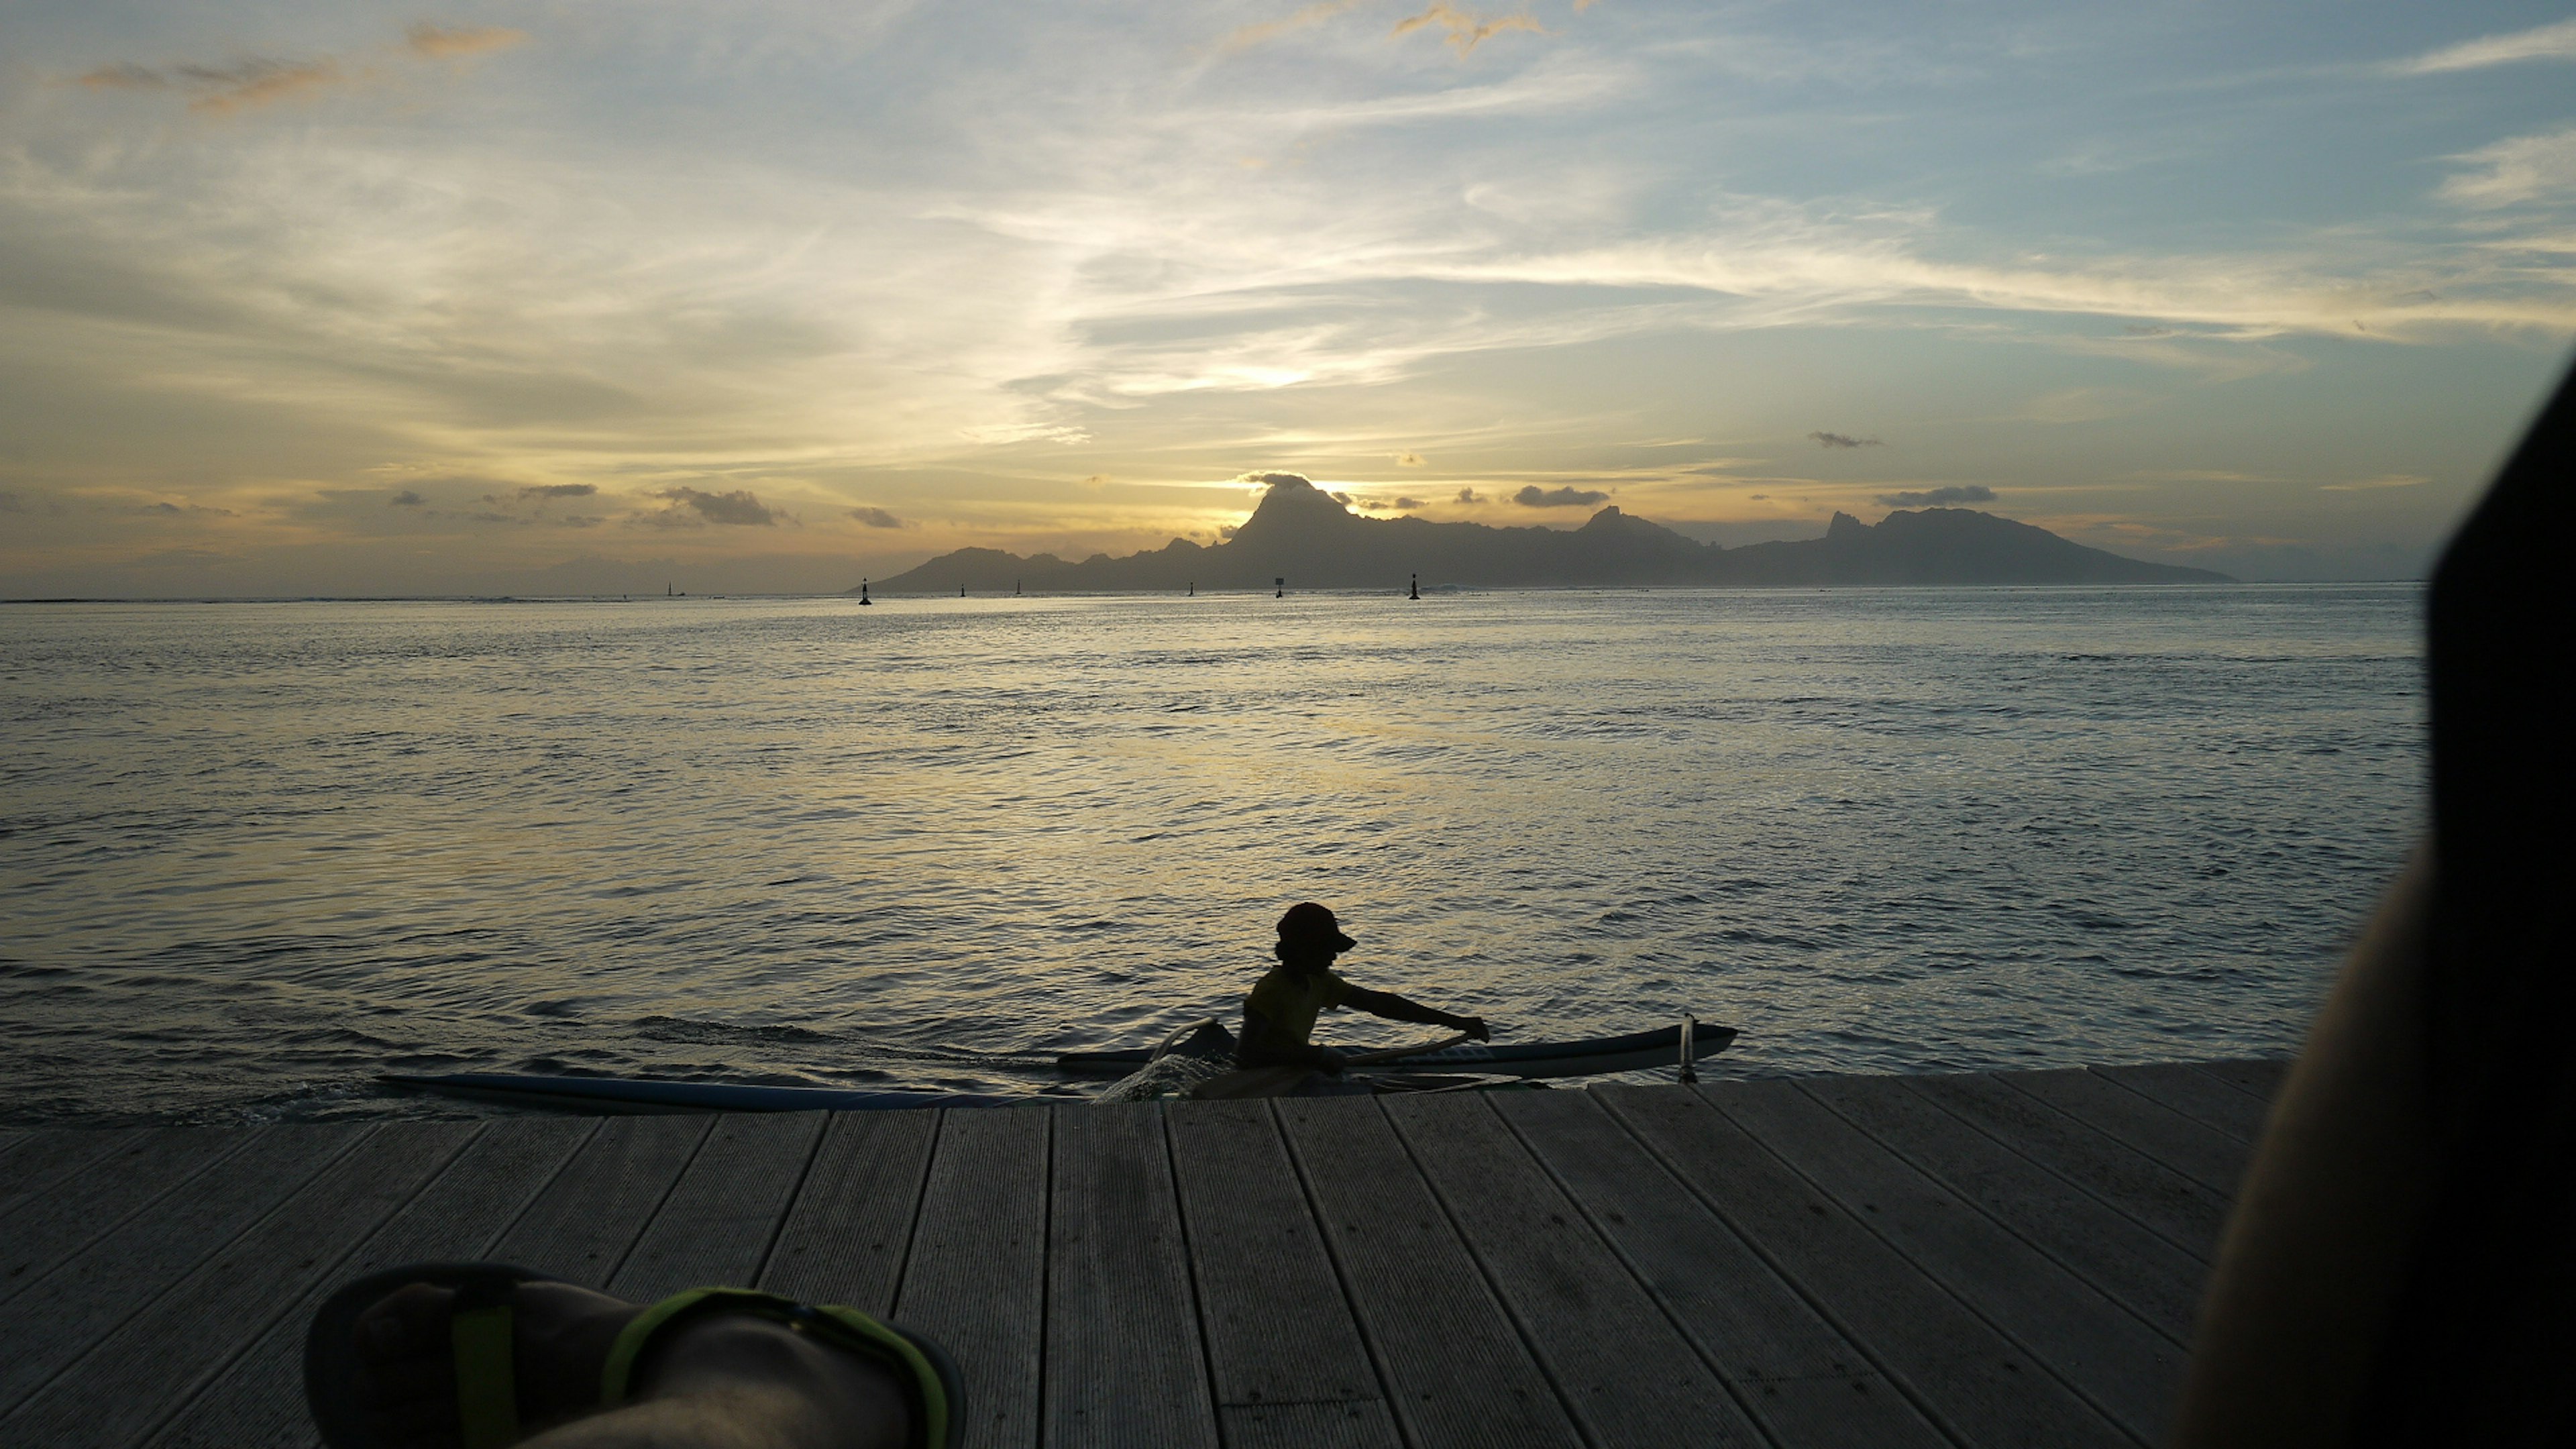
{"points": [[487, 1401]]}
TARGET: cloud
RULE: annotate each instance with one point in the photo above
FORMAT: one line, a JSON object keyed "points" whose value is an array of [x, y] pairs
{"points": [[1343, 499], [1408, 503], [1534, 496], [406, 499], [877, 518], [738, 508], [1940, 497], [439, 42], [1844, 440], [1408, 460], [1275, 480], [258, 81], [1465, 30], [1248, 36], [2524, 168], [1468, 495], [2555, 41], [559, 490], [2372, 485]]}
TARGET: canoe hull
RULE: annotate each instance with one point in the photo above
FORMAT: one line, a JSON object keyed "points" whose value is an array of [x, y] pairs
{"points": [[624, 1095], [1636, 1052]]}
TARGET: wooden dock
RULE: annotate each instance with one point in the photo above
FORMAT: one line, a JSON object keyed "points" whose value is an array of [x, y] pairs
{"points": [[1994, 1259]]}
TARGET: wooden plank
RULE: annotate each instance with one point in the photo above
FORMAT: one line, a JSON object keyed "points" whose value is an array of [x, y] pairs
{"points": [[1455, 1369], [580, 1227], [2195, 1094], [846, 1235], [1805, 1382], [716, 1226], [1978, 1385], [125, 1386], [48, 1227], [2210, 1158], [37, 1160], [2149, 1276], [1307, 1426], [54, 1320], [258, 1402], [2106, 1353], [1123, 1359], [1625, 1371], [2259, 1076], [2177, 1209], [976, 1276], [1278, 1327]]}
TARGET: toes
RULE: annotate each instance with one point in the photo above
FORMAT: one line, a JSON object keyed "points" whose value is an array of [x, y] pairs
{"points": [[410, 1322]]}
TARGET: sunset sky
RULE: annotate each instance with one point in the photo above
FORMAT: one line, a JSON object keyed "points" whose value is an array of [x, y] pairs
{"points": [[301, 298]]}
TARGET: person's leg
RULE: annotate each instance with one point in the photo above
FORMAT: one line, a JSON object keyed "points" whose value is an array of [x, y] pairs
{"points": [[723, 1381]]}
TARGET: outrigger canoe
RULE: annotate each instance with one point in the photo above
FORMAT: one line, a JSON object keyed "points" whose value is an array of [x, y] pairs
{"points": [[1636, 1052]]}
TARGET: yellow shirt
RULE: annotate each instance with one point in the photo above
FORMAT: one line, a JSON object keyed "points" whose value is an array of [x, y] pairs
{"points": [[1289, 1000]]}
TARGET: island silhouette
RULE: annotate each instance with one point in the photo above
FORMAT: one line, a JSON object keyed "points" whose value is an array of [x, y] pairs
{"points": [[1304, 535]]}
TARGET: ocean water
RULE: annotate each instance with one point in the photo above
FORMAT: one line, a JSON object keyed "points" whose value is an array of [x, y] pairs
{"points": [[252, 855]]}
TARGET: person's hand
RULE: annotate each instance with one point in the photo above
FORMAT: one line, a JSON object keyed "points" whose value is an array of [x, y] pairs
{"points": [[1474, 1026]]}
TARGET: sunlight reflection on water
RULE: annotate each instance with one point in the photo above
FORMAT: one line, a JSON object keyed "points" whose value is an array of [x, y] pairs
{"points": [[254, 854]]}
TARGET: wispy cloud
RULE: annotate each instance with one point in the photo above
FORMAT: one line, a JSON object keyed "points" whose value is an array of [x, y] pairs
{"points": [[2556, 41], [2523, 168], [441, 42], [738, 508], [1464, 30], [1246, 37], [257, 81], [2373, 485], [877, 518], [1844, 440]]}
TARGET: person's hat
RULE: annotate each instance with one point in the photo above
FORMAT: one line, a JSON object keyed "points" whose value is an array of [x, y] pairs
{"points": [[1308, 924]]}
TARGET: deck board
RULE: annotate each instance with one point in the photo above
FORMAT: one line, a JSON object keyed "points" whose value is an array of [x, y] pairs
{"points": [[1123, 1359], [976, 1276], [2114, 1253], [2204, 1154], [49, 1227], [2165, 1202], [715, 1227], [845, 1239], [2195, 1094], [1455, 1368], [1284, 1353], [1977, 1384], [2115, 1360], [127, 1384], [2260, 1077], [1619, 1364], [1807, 1384], [62, 1315], [1981, 1260], [258, 1403], [36, 1161]]}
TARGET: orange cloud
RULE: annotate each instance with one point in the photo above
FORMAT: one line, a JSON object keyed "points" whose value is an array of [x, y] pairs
{"points": [[1465, 29], [1315, 14], [440, 42], [250, 84]]}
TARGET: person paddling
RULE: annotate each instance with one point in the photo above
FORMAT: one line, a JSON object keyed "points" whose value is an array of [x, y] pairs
{"points": [[1279, 1014]]}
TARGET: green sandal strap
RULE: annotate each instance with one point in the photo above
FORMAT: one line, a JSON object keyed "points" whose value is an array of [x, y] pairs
{"points": [[848, 1329], [480, 1336]]}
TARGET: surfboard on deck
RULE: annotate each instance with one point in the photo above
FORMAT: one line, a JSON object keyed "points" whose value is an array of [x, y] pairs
{"points": [[1637, 1051]]}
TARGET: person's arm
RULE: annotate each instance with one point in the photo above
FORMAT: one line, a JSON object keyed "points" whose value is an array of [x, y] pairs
{"points": [[1264, 1045], [1396, 1008]]}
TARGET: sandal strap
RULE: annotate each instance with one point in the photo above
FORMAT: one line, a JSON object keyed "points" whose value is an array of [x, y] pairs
{"points": [[925, 1391], [481, 1337]]}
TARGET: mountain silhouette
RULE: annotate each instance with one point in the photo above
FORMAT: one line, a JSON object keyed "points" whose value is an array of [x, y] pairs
{"points": [[1302, 534]]}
